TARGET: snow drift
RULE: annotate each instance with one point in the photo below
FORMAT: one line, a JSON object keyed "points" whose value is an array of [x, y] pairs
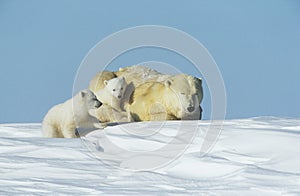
{"points": [[252, 156]]}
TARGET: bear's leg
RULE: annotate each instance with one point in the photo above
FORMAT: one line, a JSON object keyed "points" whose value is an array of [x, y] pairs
{"points": [[200, 116], [69, 131], [120, 117], [102, 114], [129, 116], [50, 131], [100, 125], [69, 134]]}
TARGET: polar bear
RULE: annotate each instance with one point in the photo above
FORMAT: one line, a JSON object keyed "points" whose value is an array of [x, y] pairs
{"points": [[64, 119], [108, 114], [114, 95], [176, 98], [138, 75], [97, 83]]}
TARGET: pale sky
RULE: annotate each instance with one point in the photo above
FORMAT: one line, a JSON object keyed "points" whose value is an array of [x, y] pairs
{"points": [[256, 45]]}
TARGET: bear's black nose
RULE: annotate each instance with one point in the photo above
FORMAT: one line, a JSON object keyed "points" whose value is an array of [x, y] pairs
{"points": [[190, 109], [119, 96], [98, 104]]}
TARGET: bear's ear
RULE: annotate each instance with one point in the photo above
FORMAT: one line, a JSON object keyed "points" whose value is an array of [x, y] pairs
{"points": [[105, 82], [200, 80], [168, 83], [82, 94]]}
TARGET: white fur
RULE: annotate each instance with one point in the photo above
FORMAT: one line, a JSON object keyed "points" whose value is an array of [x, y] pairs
{"points": [[63, 119], [176, 98], [113, 93], [107, 113], [138, 75], [114, 96]]}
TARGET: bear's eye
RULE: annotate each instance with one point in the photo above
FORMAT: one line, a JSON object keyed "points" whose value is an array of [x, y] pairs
{"points": [[114, 89], [121, 88], [182, 93]]}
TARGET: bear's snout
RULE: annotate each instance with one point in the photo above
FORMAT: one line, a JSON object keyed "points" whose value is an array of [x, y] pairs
{"points": [[119, 97], [98, 104], [191, 108]]}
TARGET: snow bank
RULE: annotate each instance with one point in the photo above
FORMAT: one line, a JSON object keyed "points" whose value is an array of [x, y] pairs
{"points": [[252, 156]]}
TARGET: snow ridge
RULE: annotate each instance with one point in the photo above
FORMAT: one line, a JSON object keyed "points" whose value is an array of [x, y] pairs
{"points": [[252, 156]]}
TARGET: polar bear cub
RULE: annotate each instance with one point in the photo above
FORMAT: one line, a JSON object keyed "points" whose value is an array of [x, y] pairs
{"points": [[113, 93], [114, 96], [64, 119]]}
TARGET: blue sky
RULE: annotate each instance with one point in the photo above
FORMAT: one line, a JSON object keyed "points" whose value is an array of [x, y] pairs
{"points": [[256, 45]]}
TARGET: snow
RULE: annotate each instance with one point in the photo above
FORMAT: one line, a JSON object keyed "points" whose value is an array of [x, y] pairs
{"points": [[254, 156]]}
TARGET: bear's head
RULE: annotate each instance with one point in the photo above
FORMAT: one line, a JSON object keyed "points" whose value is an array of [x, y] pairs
{"points": [[96, 84], [116, 87], [187, 93], [89, 99]]}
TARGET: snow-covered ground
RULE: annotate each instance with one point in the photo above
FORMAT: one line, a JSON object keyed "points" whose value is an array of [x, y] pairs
{"points": [[255, 156]]}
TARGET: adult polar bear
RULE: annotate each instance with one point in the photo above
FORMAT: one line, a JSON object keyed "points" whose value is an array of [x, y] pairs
{"points": [[150, 101], [136, 75], [174, 99], [63, 119]]}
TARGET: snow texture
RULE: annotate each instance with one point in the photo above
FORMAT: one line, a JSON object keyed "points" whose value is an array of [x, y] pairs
{"points": [[255, 156]]}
